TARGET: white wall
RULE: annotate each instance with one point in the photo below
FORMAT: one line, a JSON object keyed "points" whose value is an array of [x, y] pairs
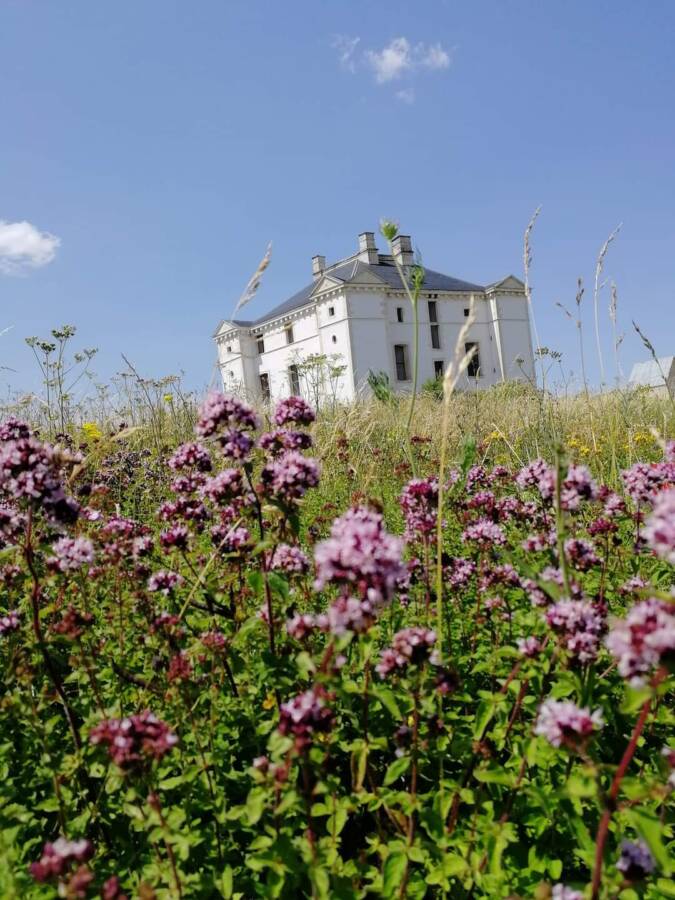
{"points": [[363, 329]]}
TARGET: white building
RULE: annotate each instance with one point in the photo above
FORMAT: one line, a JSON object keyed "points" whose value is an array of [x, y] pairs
{"points": [[354, 318], [658, 376]]}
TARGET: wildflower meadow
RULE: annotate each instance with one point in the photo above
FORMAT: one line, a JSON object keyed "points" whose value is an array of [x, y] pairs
{"points": [[268, 661]]}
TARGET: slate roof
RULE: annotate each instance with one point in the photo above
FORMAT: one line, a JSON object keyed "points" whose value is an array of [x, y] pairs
{"points": [[349, 271]]}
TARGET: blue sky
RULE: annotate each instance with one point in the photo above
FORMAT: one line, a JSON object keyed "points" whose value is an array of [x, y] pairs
{"points": [[165, 143]]}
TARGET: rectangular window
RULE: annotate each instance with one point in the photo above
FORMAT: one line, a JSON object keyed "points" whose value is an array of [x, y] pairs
{"points": [[260, 343], [438, 368], [294, 380], [473, 369], [331, 310], [265, 386], [289, 335], [401, 357], [433, 312], [399, 313], [435, 337], [466, 312]]}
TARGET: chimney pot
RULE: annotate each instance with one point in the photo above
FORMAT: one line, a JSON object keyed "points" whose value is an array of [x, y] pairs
{"points": [[367, 249], [318, 266], [402, 250]]}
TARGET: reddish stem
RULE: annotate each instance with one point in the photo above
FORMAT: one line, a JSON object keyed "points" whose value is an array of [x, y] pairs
{"points": [[610, 802]]}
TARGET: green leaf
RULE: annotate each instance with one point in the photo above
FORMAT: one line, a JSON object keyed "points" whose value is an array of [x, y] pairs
{"points": [[650, 829], [396, 769], [393, 873]]}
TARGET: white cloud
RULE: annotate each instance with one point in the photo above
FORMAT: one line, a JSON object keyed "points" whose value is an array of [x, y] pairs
{"points": [[22, 246], [406, 95], [346, 48], [434, 57], [399, 60], [392, 61]]}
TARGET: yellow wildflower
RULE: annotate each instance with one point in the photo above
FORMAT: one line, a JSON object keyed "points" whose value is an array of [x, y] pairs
{"points": [[91, 431], [269, 701], [168, 398]]}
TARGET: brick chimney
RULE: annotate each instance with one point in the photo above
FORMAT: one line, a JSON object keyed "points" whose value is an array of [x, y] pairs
{"points": [[318, 266], [402, 250], [367, 249]]}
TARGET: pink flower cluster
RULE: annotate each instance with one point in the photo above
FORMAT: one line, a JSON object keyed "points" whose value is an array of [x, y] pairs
{"points": [[224, 487], [644, 639], [305, 715], [410, 647], [71, 554], [288, 477], [659, 530], [293, 410], [275, 442], [562, 892], [164, 582], [59, 856], [419, 503], [289, 559], [10, 622], [30, 471], [134, 740], [190, 456], [361, 555], [562, 722], [485, 534], [643, 480], [580, 626], [220, 411]]}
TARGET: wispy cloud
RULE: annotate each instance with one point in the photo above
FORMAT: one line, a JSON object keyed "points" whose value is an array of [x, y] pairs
{"points": [[399, 60], [346, 48], [406, 95], [23, 246]]}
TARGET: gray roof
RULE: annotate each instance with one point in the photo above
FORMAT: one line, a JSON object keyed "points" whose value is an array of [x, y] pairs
{"points": [[349, 271]]}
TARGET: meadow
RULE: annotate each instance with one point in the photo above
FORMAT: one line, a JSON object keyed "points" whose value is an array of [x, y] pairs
{"points": [[264, 653]]}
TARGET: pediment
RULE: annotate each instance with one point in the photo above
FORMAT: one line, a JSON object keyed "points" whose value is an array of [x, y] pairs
{"points": [[326, 283], [510, 283]]}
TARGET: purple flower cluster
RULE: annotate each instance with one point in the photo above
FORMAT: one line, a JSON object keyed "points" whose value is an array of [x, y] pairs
{"points": [[134, 740], [643, 480], [659, 530], [579, 625], [529, 647], [288, 477], [348, 614], [409, 647], [10, 621], [30, 471], [305, 715], [562, 892], [459, 571], [59, 856], [419, 503], [164, 582], [224, 487], [485, 534], [71, 554], [220, 411], [275, 442], [644, 639], [300, 626], [289, 559], [361, 555], [537, 474], [190, 456], [12, 523], [235, 444], [293, 410], [581, 554], [635, 861], [563, 723]]}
